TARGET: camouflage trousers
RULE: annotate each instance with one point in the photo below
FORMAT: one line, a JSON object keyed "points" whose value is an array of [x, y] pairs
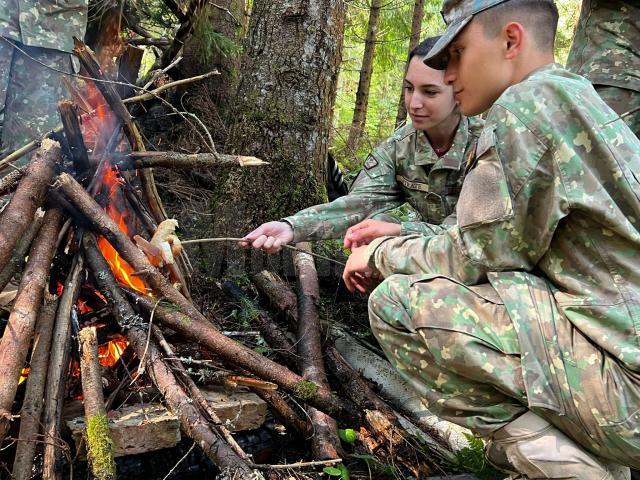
{"points": [[458, 348], [29, 93], [622, 100]]}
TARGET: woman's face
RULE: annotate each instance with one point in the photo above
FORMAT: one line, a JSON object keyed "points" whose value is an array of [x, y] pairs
{"points": [[428, 100]]}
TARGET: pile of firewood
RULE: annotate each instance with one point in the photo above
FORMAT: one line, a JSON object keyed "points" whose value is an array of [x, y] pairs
{"points": [[86, 216]]}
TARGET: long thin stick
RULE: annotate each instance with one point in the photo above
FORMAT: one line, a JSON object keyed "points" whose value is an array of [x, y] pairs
{"points": [[229, 239]]}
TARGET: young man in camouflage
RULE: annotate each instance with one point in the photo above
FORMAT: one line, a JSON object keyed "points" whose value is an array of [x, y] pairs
{"points": [[521, 321], [606, 50], [35, 35], [421, 163]]}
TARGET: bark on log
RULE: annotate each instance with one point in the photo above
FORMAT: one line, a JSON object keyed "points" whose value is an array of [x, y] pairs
{"points": [[58, 366], [279, 294], [17, 261], [18, 334], [18, 214], [97, 434], [197, 394], [128, 69], [325, 442], [176, 160], [192, 422], [193, 323], [273, 334], [33, 397], [73, 133], [9, 182]]}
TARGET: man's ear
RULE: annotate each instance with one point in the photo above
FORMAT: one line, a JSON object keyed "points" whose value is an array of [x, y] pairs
{"points": [[513, 35]]}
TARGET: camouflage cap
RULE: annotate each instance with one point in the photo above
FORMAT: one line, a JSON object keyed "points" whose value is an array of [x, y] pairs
{"points": [[456, 14]]}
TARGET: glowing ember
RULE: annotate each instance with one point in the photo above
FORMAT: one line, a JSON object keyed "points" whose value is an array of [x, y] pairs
{"points": [[110, 352], [24, 375]]}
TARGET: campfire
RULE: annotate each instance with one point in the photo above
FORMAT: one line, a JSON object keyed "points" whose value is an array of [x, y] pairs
{"points": [[106, 276]]}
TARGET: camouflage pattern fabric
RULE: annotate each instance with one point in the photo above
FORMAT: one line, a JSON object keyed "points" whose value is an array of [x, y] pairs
{"points": [[44, 23], [606, 50], [623, 100], [29, 93], [404, 168], [549, 217]]}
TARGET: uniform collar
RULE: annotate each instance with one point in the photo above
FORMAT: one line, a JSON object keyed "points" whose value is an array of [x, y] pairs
{"points": [[425, 155]]}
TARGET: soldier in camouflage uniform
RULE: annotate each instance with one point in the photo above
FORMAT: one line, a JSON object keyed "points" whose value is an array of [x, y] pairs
{"points": [[522, 320], [606, 50], [33, 35], [405, 168]]}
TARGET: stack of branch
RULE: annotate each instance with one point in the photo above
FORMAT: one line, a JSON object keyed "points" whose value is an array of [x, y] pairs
{"points": [[54, 218]]}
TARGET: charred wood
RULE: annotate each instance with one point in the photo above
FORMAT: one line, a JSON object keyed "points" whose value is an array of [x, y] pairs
{"points": [[73, 133]]}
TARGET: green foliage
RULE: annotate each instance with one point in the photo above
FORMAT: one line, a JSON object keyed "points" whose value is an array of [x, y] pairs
{"points": [[388, 69], [100, 448], [472, 459], [340, 471], [348, 435], [211, 42]]}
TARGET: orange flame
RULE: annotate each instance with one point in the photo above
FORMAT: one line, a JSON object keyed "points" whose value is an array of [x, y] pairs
{"points": [[120, 268], [109, 353], [24, 375]]}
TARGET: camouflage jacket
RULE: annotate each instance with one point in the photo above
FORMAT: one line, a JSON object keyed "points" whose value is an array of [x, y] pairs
{"points": [[403, 169], [44, 23], [549, 215], [606, 45]]}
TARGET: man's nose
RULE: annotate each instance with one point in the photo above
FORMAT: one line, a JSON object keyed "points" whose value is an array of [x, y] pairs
{"points": [[450, 73]]}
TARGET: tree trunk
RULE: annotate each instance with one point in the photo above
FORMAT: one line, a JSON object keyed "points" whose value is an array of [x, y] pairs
{"points": [[364, 83], [414, 39], [283, 113]]}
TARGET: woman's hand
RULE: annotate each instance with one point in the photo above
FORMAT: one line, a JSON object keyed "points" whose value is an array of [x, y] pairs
{"points": [[366, 231], [270, 237], [357, 274]]}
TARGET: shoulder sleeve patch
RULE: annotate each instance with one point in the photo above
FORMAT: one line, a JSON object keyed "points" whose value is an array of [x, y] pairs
{"points": [[370, 162]]}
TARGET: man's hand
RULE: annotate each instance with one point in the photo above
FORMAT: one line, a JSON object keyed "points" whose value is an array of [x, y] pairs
{"points": [[365, 232], [270, 237], [357, 274]]}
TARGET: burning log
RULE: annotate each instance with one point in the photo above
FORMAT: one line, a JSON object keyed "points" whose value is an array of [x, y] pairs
{"points": [[192, 323], [32, 405], [18, 334], [58, 364], [176, 160], [325, 442], [191, 420], [28, 197], [98, 436], [73, 133]]}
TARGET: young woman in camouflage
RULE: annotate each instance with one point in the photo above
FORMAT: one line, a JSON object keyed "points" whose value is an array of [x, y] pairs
{"points": [[522, 320], [422, 163]]}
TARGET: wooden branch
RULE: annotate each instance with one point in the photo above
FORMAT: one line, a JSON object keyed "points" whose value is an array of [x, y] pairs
{"points": [[325, 443], [30, 195], [197, 395], [58, 365], [97, 435], [274, 335], [285, 413], [192, 422], [261, 366], [32, 405], [185, 161], [143, 97], [128, 69], [16, 340], [17, 261], [235, 353], [144, 41], [10, 181], [279, 294], [73, 132]]}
